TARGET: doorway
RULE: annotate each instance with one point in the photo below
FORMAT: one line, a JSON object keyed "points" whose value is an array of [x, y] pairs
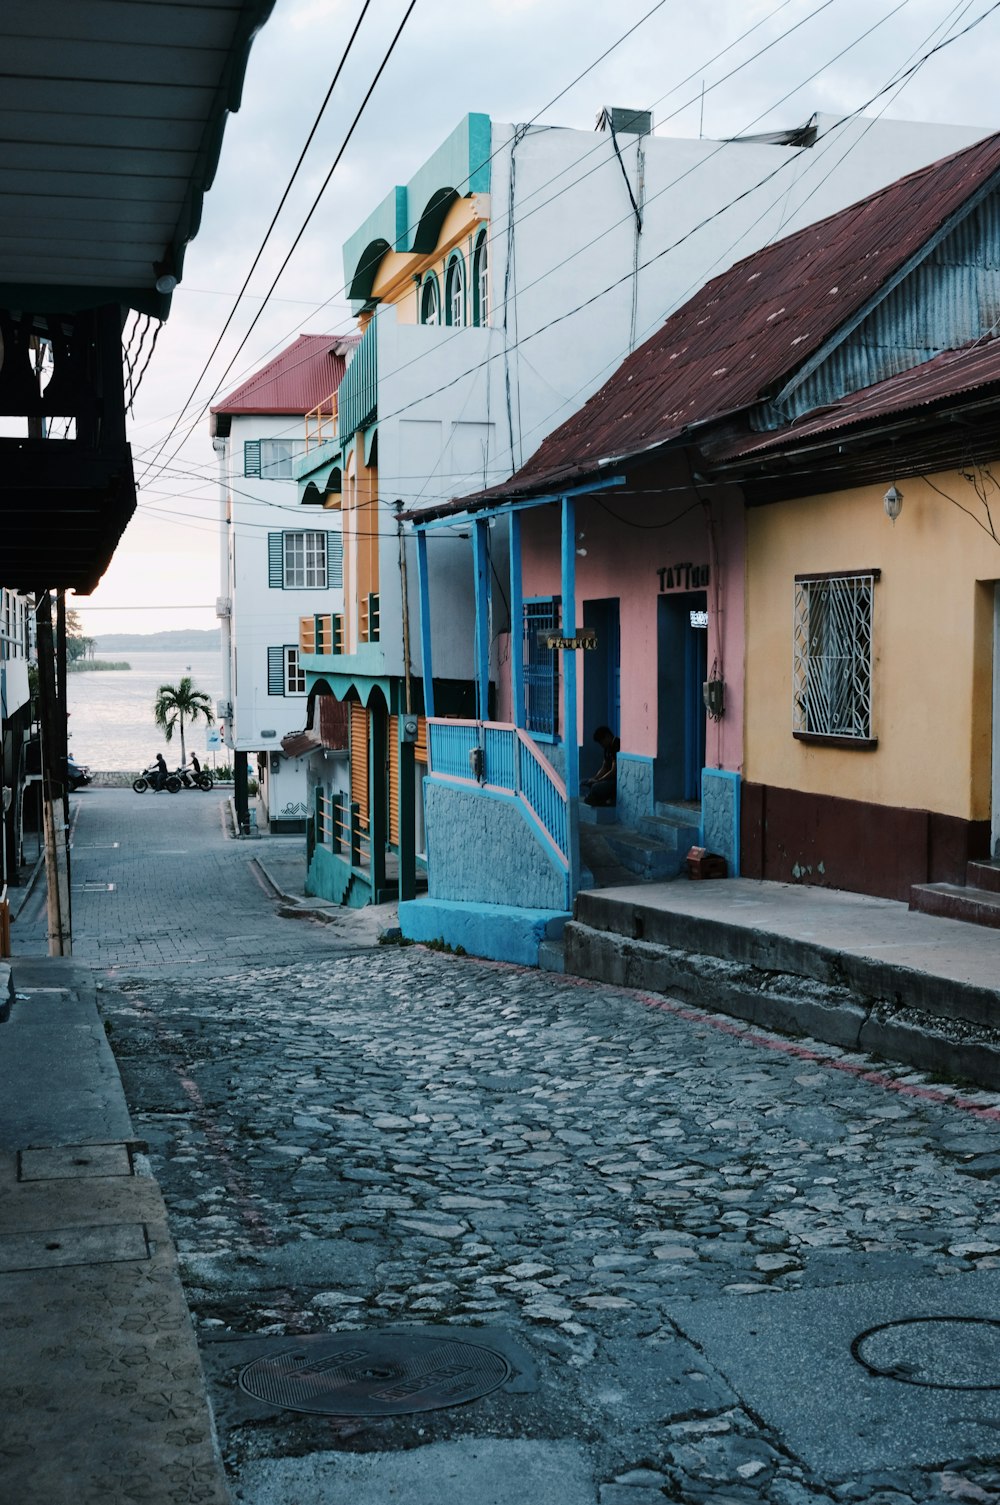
{"points": [[682, 668], [602, 673]]}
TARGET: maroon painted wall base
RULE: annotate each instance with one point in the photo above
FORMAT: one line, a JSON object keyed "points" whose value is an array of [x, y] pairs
{"points": [[790, 837]]}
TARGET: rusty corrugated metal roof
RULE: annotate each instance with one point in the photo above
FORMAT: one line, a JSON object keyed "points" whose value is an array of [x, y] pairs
{"points": [[752, 327], [296, 381], [950, 374]]}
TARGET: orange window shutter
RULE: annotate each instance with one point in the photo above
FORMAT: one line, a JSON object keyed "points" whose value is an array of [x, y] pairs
{"points": [[394, 781], [420, 748], [359, 761]]}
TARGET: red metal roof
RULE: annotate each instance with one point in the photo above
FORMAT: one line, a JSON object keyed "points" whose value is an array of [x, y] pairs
{"points": [[296, 381], [753, 326]]}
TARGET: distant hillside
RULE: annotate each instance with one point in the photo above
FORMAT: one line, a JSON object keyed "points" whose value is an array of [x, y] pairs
{"points": [[189, 640]]}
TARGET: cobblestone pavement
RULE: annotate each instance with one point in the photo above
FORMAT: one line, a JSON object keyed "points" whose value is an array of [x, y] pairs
{"points": [[403, 1136], [637, 1195]]}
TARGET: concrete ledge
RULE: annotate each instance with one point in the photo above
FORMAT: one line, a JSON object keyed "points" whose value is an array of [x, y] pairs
{"points": [[715, 936], [499, 932], [788, 1002]]}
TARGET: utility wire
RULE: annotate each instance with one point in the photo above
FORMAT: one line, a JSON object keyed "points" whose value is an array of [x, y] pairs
{"points": [[318, 308], [274, 219]]}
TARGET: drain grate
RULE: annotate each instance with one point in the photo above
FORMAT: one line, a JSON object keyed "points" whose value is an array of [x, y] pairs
{"points": [[374, 1374], [939, 1353]]}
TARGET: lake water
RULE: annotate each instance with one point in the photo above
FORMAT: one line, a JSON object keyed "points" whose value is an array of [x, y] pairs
{"points": [[111, 722]]}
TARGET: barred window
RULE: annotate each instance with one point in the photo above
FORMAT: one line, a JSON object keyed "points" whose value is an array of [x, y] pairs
{"points": [[832, 656], [541, 671], [304, 561]]}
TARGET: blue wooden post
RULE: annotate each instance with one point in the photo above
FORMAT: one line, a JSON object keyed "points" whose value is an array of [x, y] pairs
{"points": [[569, 660], [516, 621], [423, 589], [482, 568]]}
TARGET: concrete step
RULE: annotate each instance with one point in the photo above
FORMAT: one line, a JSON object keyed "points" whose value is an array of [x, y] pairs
{"points": [[984, 874], [613, 925], [673, 832], [552, 956], [600, 868], [953, 901], [598, 815], [644, 855], [685, 812]]}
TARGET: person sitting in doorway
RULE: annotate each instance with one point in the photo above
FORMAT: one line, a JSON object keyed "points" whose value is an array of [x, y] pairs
{"points": [[602, 789]]}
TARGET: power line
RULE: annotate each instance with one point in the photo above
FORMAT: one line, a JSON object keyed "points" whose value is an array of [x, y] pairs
{"points": [[545, 108]]}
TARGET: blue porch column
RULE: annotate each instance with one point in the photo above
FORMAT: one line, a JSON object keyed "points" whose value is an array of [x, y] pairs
{"points": [[482, 569], [569, 660], [423, 589], [516, 621]]}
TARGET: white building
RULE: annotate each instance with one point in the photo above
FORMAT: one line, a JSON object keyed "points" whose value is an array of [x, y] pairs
{"points": [[280, 561]]}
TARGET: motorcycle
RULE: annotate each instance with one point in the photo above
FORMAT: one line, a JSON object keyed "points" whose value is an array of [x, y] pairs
{"points": [[149, 779], [192, 780]]}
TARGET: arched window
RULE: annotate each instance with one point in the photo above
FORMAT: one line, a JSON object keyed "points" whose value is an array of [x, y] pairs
{"points": [[481, 279], [430, 301], [455, 292]]}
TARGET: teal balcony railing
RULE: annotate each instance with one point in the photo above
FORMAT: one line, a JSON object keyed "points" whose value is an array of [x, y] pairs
{"points": [[357, 396]]}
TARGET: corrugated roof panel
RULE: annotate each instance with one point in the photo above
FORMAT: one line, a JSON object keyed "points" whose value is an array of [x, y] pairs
{"points": [[750, 329], [296, 381]]}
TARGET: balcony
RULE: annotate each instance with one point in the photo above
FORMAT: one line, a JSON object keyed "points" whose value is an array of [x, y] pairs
{"points": [[322, 634], [321, 423], [358, 392]]}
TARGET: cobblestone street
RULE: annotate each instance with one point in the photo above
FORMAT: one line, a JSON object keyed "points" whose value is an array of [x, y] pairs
{"points": [[681, 1223]]}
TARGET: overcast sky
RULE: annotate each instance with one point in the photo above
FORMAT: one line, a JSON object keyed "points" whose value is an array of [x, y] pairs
{"points": [[508, 59]]}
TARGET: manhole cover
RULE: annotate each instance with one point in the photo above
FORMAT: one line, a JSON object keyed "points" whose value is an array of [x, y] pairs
{"points": [[389, 1374], [942, 1353]]}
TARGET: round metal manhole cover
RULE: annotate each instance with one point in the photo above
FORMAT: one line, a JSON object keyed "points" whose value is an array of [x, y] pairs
{"points": [[941, 1353], [362, 1374]]}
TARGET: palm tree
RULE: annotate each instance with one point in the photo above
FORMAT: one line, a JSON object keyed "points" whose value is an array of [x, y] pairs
{"points": [[175, 702]]}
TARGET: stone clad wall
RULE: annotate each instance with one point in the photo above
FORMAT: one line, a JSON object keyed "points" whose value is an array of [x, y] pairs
{"points": [[720, 815], [482, 850], [635, 788]]}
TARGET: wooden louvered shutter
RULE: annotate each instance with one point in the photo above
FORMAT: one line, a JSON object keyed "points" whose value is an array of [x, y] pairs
{"points": [[251, 457], [276, 561], [359, 761], [334, 560], [420, 746], [276, 671], [394, 781]]}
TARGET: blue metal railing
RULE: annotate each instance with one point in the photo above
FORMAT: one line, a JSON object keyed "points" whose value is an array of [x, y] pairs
{"points": [[357, 396], [498, 757], [509, 761]]}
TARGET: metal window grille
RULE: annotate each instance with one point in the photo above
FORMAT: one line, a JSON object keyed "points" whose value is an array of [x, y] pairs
{"points": [[304, 561], [832, 656], [541, 676]]}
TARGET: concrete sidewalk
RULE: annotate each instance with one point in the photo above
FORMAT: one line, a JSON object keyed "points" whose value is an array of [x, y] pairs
{"points": [[281, 861], [864, 973], [102, 1390]]}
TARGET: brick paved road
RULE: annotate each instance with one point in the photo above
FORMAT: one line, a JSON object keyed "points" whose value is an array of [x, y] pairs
{"points": [[681, 1222]]}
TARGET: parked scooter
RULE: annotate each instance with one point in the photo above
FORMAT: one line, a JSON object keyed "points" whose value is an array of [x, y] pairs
{"points": [[192, 778], [150, 779]]}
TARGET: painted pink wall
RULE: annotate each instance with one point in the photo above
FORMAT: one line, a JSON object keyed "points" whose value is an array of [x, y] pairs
{"points": [[624, 552]]}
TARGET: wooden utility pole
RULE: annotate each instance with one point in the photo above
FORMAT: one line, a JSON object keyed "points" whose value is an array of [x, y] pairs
{"points": [[52, 722]]}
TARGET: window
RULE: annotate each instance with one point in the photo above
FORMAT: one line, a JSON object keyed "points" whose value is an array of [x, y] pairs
{"points": [[455, 292], [300, 560], [481, 280], [295, 675], [541, 677], [832, 656], [285, 675], [271, 459], [430, 301]]}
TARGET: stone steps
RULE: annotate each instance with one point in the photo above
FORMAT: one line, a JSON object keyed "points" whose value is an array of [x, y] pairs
{"points": [[955, 901]]}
